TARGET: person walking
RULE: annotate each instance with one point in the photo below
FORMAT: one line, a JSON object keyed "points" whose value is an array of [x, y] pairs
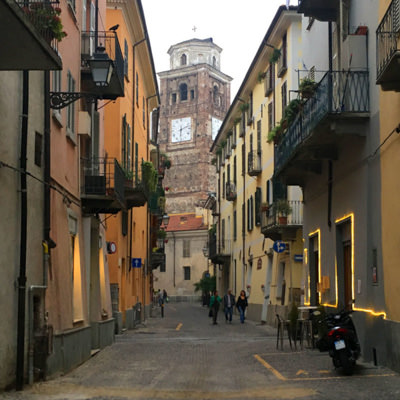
{"points": [[214, 306], [241, 305], [229, 303]]}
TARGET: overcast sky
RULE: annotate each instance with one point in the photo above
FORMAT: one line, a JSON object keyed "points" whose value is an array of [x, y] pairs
{"points": [[236, 26]]}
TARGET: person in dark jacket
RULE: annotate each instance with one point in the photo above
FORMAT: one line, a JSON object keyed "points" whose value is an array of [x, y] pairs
{"points": [[214, 306], [229, 303], [241, 305]]}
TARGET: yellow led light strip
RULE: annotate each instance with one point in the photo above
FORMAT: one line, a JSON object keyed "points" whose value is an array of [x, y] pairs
{"points": [[372, 312], [317, 233]]}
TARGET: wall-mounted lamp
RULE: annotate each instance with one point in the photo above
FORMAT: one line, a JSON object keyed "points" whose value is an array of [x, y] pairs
{"points": [[102, 68]]}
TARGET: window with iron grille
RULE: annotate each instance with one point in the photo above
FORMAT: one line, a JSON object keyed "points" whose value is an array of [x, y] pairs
{"points": [[186, 273], [186, 248]]}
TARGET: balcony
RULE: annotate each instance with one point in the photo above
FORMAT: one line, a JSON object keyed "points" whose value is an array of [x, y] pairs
{"points": [[322, 10], [219, 250], [275, 226], [388, 49], [25, 44], [157, 258], [338, 108], [102, 190], [230, 191], [254, 163], [157, 202], [109, 41]]}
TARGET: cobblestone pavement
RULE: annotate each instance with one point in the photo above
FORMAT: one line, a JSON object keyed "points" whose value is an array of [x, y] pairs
{"points": [[184, 356]]}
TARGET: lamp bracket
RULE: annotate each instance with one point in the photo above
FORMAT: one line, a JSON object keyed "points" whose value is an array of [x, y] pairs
{"points": [[59, 100]]}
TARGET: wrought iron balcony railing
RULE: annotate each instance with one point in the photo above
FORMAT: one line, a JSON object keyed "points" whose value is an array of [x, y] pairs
{"points": [[219, 249], [109, 41], [338, 94], [44, 15], [254, 163], [388, 48], [102, 188], [323, 10]]}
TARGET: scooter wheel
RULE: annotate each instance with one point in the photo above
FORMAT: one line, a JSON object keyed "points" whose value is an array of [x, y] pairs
{"points": [[346, 364]]}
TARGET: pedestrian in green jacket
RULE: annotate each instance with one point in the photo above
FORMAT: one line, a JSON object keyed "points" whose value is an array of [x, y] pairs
{"points": [[214, 306]]}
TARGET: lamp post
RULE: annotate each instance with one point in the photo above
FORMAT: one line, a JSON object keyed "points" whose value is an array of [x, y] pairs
{"points": [[165, 219]]}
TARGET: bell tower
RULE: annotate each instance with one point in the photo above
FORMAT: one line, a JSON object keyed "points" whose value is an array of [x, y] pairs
{"points": [[195, 96]]}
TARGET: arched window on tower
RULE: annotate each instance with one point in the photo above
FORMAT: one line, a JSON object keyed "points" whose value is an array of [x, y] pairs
{"points": [[183, 59], [214, 61], [216, 97], [183, 91]]}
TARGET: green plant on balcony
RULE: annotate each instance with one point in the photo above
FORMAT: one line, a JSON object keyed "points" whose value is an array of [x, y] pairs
{"points": [[161, 234], [275, 133], [276, 54], [261, 76], [307, 88], [149, 176], [291, 110], [212, 230], [47, 19], [237, 120], [244, 107], [283, 208]]}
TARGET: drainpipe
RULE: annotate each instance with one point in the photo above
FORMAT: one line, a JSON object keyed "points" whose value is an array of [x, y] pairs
{"points": [[244, 212], [173, 235], [23, 235]]}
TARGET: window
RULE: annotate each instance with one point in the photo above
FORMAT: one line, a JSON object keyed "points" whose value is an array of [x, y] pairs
{"points": [[284, 97], [186, 273], [136, 161], [126, 59], [259, 137], [71, 107], [173, 98], [38, 149], [124, 222], [223, 186], [144, 112], [270, 116], [137, 89], [269, 82], [183, 59], [183, 92], [192, 94], [282, 62], [234, 225], [234, 170], [250, 213], [258, 206], [186, 248], [214, 62], [216, 97], [243, 159]]}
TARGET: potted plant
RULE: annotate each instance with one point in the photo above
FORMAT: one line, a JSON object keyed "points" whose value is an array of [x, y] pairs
{"points": [[264, 207], [161, 234], [292, 109], [283, 209], [307, 88], [47, 20], [274, 134], [149, 176], [244, 107], [261, 76], [276, 53]]}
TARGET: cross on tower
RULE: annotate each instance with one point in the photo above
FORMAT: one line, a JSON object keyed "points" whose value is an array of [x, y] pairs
{"points": [[194, 29]]}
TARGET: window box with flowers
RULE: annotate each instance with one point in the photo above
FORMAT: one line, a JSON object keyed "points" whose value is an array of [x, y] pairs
{"points": [[47, 19]]}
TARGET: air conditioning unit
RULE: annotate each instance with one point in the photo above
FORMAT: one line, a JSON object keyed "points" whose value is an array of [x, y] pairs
{"points": [[85, 124]]}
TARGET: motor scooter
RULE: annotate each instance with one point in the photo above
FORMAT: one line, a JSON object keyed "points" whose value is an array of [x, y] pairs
{"points": [[341, 341]]}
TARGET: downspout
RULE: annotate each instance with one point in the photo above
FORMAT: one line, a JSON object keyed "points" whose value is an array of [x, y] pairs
{"points": [[173, 235], [244, 210], [23, 235]]}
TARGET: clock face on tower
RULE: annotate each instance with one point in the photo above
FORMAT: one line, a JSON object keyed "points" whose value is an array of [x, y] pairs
{"points": [[215, 125], [181, 129]]}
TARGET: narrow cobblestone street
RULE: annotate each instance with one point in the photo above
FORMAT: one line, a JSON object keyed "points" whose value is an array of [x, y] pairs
{"points": [[184, 356]]}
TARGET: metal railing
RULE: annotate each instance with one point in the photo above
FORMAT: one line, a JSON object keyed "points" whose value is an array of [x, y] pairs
{"points": [[338, 92], [387, 37], [108, 40], [44, 15], [271, 216], [102, 177]]}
